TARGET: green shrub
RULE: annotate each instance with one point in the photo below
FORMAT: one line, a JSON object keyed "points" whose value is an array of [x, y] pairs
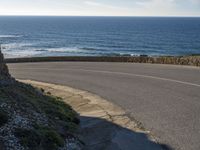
{"points": [[42, 90]]}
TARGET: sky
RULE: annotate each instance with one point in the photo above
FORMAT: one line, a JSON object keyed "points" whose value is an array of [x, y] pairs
{"points": [[100, 7]]}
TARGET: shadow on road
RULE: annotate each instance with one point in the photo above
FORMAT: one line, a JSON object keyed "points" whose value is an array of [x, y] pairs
{"points": [[100, 134]]}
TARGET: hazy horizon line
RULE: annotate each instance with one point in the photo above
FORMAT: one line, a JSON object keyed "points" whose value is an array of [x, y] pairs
{"points": [[94, 16]]}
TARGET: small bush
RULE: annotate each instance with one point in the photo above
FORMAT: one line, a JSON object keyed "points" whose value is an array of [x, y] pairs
{"points": [[42, 90], [3, 118], [48, 93]]}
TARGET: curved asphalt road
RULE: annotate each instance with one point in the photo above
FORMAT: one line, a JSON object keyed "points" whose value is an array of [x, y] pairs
{"points": [[166, 99]]}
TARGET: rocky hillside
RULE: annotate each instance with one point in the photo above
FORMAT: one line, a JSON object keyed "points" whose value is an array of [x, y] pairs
{"points": [[31, 119]]}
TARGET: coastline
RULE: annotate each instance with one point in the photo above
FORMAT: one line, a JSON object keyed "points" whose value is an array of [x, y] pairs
{"points": [[173, 60]]}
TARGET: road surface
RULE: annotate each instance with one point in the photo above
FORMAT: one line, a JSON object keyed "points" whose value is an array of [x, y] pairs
{"points": [[164, 98]]}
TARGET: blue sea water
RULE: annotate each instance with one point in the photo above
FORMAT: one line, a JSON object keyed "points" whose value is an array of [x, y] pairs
{"points": [[99, 36]]}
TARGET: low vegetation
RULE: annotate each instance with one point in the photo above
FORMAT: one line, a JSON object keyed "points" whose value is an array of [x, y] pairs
{"points": [[39, 138], [32, 119]]}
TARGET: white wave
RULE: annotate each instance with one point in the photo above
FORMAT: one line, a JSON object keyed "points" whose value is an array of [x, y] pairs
{"points": [[20, 53], [12, 50], [66, 50], [10, 36], [13, 46], [15, 50]]}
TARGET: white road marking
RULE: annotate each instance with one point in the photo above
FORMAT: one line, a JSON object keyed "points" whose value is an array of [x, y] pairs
{"points": [[119, 73], [139, 75]]}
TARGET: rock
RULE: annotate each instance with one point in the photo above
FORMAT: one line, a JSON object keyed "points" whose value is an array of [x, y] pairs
{"points": [[3, 68], [5, 77]]}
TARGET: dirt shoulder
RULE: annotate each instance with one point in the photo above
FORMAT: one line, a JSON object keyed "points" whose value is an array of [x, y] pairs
{"points": [[103, 125]]}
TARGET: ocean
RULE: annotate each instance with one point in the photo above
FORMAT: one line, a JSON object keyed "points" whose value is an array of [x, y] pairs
{"points": [[99, 36]]}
